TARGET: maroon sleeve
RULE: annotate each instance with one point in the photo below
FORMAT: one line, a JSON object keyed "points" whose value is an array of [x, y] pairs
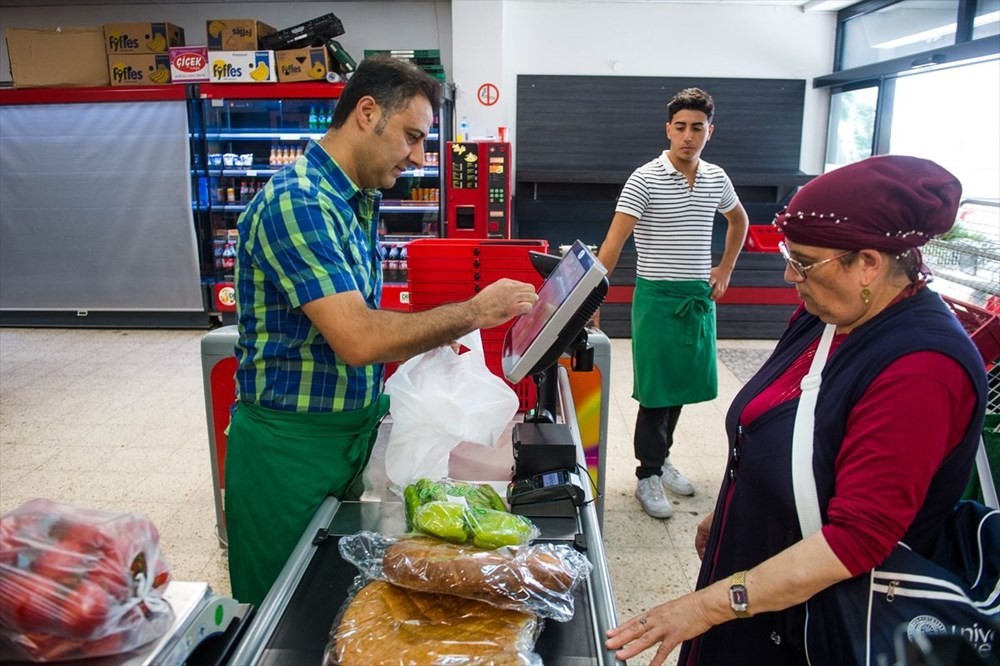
{"points": [[914, 413]]}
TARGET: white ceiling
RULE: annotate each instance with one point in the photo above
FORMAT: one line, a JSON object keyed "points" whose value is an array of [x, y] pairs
{"points": [[806, 5]]}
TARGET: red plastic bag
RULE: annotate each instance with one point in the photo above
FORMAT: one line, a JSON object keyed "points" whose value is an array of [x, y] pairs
{"points": [[78, 582]]}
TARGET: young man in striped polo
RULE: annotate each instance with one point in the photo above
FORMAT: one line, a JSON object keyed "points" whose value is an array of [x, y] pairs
{"points": [[669, 204]]}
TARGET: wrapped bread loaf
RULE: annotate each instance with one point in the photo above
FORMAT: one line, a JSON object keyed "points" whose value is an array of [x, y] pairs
{"points": [[384, 624], [539, 578]]}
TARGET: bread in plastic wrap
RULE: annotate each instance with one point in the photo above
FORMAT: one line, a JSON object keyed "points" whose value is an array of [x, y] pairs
{"points": [[539, 578], [77, 582], [385, 625]]}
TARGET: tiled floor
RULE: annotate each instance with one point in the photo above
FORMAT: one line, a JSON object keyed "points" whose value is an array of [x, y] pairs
{"points": [[115, 419]]}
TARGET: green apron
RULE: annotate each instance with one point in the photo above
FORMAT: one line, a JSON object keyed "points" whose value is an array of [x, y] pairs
{"points": [[673, 343], [280, 466]]}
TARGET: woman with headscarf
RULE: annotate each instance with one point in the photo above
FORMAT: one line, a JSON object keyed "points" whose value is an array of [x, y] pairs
{"points": [[897, 422]]}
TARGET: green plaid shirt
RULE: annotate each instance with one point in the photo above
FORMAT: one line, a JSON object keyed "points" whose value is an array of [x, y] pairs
{"points": [[308, 234]]}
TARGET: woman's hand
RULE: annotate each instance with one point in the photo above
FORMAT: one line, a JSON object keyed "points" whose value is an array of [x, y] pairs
{"points": [[701, 536], [668, 624]]}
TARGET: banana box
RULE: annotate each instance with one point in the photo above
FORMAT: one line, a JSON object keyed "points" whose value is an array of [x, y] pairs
{"points": [[236, 34], [141, 37], [188, 64], [143, 69], [308, 64], [241, 67]]}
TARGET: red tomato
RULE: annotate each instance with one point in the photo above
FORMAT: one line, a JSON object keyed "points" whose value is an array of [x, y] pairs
{"points": [[110, 644], [63, 562], [111, 577], [85, 610], [38, 603], [48, 647], [161, 573], [88, 539]]}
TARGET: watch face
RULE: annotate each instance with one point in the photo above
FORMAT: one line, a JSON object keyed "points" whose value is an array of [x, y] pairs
{"points": [[738, 597]]}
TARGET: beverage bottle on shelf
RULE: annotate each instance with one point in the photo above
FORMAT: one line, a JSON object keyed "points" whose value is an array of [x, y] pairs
{"points": [[463, 129], [402, 271], [244, 192], [231, 194], [393, 265], [273, 156], [313, 119]]}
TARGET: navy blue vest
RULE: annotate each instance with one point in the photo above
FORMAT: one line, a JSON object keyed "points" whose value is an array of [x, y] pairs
{"points": [[760, 519]]}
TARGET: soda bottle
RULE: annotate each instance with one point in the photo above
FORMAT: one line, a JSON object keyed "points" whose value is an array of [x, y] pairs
{"points": [[244, 192], [393, 265], [313, 119], [402, 265], [230, 194]]}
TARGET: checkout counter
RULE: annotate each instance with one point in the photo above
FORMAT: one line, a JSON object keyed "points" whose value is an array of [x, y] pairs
{"points": [[293, 624]]}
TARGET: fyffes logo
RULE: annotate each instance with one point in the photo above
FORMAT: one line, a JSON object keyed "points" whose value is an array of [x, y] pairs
{"points": [[190, 62], [121, 73], [122, 42], [224, 70], [979, 637], [291, 69]]}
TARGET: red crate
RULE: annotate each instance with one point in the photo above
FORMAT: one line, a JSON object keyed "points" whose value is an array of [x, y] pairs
{"points": [[762, 238], [982, 326]]}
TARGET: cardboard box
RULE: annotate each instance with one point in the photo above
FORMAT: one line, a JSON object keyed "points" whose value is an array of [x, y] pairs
{"points": [[236, 34], [188, 64], [139, 69], [57, 57], [241, 67], [308, 64], [141, 37]]}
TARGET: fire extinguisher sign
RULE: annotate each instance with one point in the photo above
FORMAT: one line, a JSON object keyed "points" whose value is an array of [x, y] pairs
{"points": [[488, 94]]}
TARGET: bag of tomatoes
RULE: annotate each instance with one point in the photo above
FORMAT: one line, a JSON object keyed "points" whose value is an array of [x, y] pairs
{"points": [[78, 582]]}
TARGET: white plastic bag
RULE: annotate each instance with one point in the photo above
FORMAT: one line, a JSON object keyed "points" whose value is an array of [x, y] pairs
{"points": [[438, 400]]}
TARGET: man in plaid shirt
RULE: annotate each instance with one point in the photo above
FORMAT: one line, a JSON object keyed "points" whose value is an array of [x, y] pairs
{"points": [[312, 339]]}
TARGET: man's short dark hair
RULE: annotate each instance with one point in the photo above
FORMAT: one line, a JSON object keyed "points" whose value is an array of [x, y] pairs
{"points": [[694, 99], [391, 82]]}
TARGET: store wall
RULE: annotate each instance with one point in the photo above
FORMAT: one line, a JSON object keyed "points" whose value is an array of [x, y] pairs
{"points": [[638, 39], [375, 24]]}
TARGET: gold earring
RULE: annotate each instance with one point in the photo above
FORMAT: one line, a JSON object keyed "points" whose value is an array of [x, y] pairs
{"points": [[866, 295]]}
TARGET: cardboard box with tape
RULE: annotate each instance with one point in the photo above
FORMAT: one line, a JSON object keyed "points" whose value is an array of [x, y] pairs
{"points": [[41, 57]]}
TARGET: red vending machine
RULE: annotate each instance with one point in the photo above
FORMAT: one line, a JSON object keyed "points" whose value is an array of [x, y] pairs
{"points": [[477, 184]]}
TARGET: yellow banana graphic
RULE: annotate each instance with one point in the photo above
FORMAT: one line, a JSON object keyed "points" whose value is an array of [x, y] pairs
{"points": [[260, 72], [215, 28], [317, 71], [157, 44], [160, 75]]}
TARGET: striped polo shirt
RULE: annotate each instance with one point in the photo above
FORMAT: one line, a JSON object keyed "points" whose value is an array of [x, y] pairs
{"points": [[308, 234], [673, 237]]}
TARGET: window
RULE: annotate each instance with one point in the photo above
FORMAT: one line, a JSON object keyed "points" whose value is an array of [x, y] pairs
{"points": [[987, 21], [950, 116], [852, 127], [901, 29]]}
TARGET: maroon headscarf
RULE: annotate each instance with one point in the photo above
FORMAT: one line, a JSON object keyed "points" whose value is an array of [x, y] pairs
{"points": [[890, 203]]}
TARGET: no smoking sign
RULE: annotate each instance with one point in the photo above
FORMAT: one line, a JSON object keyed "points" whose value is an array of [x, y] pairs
{"points": [[488, 94]]}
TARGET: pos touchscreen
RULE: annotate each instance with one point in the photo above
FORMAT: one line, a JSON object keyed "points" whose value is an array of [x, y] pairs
{"points": [[567, 299]]}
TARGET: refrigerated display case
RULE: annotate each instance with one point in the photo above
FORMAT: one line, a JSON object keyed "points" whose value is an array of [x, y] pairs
{"points": [[242, 134]]}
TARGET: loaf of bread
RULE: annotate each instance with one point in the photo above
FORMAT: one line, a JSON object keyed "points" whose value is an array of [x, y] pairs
{"points": [[539, 578], [385, 624]]}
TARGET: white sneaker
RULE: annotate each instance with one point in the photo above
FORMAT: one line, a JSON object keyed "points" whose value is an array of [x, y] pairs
{"points": [[674, 481], [649, 492]]}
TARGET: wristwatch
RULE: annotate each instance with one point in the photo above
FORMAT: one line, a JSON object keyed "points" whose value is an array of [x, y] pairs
{"points": [[738, 599]]}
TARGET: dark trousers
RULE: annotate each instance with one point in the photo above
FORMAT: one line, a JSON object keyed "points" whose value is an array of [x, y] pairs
{"points": [[654, 435]]}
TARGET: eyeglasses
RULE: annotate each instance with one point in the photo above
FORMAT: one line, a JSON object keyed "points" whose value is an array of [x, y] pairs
{"points": [[802, 270]]}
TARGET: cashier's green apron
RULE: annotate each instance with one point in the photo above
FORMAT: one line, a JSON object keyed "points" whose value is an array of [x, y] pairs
{"points": [[280, 466], [673, 343]]}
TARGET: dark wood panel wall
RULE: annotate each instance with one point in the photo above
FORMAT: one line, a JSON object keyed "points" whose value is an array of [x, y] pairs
{"points": [[580, 137]]}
